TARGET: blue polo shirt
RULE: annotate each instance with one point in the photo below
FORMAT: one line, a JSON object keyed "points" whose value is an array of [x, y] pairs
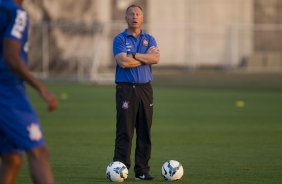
{"points": [[14, 25], [126, 43]]}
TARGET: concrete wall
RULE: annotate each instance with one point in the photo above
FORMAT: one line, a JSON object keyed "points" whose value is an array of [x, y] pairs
{"points": [[197, 32]]}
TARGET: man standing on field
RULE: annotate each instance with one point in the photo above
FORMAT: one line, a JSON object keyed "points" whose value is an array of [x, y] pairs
{"points": [[20, 130], [135, 51]]}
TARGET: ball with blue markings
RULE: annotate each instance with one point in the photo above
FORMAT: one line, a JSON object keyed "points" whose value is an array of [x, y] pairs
{"points": [[117, 172], [172, 170]]}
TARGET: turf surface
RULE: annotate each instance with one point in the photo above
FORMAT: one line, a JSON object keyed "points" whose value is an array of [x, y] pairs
{"points": [[216, 141]]}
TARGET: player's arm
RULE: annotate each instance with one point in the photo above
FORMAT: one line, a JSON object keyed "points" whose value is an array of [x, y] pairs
{"points": [[151, 57], [127, 61], [11, 52]]}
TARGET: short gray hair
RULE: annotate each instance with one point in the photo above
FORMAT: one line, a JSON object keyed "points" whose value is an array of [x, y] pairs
{"points": [[133, 5]]}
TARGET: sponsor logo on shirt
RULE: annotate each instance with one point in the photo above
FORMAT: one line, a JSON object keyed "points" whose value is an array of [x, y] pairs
{"points": [[26, 47], [20, 24], [128, 47]]}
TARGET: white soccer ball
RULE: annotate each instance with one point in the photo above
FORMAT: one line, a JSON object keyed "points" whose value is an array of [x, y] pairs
{"points": [[172, 170], [116, 172]]}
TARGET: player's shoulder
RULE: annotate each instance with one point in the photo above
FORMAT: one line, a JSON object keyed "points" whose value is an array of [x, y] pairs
{"points": [[120, 37], [147, 35], [14, 20], [9, 6], [9, 9]]}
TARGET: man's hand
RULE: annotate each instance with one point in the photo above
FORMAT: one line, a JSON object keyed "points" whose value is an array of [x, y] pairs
{"points": [[50, 99], [153, 50]]}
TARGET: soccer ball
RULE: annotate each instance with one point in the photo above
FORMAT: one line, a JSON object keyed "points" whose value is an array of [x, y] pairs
{"points": [[172, 170], [116, 172]]}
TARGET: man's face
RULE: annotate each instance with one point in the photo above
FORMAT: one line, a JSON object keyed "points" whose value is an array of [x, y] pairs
{"points": [[134, 17]]}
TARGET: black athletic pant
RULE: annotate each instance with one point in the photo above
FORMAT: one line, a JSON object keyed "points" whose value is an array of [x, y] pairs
{"points": [[134, 105]]}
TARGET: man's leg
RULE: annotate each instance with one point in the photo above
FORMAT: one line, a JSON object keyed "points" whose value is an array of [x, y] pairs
{"points": [[40, 169], [143, 131], [9, 167], [125, 123]]}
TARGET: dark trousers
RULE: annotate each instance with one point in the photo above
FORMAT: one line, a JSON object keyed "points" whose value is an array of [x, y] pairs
{"points": [[134, 105]]}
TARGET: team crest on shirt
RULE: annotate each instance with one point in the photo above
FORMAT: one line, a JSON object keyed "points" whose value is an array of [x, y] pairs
{"points": [[145, 42], [125, 105], [35, 133]]}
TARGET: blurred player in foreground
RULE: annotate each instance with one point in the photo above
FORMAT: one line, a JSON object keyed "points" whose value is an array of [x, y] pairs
{"points": [[135, 51], [20, 131]]}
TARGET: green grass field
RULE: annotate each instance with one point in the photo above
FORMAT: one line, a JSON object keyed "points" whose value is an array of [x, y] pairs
{"points": [[196, 123]]}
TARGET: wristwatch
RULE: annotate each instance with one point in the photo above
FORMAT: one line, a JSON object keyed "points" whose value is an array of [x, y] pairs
{"points": [[133, 54]]}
